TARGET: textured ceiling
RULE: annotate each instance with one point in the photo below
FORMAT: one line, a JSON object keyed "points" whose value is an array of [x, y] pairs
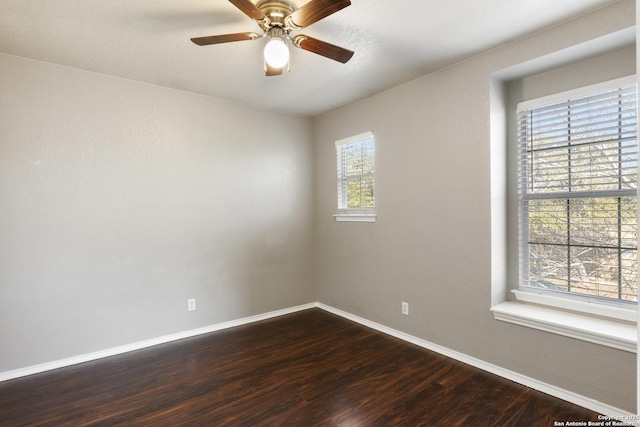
{"points": [[148, 40]]}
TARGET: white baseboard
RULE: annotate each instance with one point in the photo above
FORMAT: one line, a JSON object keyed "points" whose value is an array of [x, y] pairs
{"points": [[549, 389], [30, 370]]}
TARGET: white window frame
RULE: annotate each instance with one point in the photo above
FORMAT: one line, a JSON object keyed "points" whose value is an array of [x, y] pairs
{"points": [[343, 213], [590, 319]]}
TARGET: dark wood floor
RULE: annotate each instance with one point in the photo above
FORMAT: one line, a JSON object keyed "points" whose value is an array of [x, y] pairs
{"points": [[305, 369]]}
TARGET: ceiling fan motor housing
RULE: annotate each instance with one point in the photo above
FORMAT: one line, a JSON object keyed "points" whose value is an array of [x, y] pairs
{"points": [[275, 11]]}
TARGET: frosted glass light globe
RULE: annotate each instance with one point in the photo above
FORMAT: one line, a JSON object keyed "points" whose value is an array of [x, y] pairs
{"points": [[276, 53]]}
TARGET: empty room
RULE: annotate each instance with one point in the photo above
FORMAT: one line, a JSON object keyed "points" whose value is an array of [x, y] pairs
{"points": [[318, 212]]}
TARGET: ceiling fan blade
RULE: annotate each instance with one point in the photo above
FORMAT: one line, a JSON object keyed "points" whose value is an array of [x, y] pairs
{"points": [[272, 71], [325, 49], [224, 38], [314, 11], [248, 8]]}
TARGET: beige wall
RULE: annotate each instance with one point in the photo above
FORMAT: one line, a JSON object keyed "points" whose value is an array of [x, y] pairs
{"points": [[121, 200], [432, 243]]}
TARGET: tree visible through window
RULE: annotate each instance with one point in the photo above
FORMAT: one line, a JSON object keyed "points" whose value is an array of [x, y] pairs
{"points": [[578, 170], [356, 172]]}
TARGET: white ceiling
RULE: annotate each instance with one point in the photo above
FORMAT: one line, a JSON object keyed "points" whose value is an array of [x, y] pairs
{"points": [[148, 40]]}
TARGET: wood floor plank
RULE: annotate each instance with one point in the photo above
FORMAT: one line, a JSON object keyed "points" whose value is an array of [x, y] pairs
{"points": [[310, 368]]}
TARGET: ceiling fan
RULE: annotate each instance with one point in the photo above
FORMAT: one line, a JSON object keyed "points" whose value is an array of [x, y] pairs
{"points": [[278, 19]]}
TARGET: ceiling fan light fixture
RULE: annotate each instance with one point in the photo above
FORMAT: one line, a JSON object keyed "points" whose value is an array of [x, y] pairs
{"points": [[278, 19], [276, 52]]}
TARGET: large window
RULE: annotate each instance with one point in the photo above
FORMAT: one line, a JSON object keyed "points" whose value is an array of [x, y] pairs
{"points": [[578, 170], [355, 166]]}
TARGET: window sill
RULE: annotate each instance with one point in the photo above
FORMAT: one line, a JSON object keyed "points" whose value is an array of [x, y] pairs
{"points": [[588, 307], [610, 333], [355, 217]]}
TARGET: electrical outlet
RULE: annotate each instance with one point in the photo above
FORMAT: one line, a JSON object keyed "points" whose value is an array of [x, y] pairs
{"points": [[405, 308], [191, 304]]}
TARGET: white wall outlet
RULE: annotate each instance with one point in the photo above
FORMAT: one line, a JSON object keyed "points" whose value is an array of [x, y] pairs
{"points": [[191, 304], [405, 308]]}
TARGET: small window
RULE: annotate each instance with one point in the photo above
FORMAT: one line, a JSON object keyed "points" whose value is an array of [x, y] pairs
{"points": [[355, 164], [577, 188]]}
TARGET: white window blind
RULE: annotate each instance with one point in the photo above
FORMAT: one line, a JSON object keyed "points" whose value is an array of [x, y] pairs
{"points": [[578, 171], [355, 157]]}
